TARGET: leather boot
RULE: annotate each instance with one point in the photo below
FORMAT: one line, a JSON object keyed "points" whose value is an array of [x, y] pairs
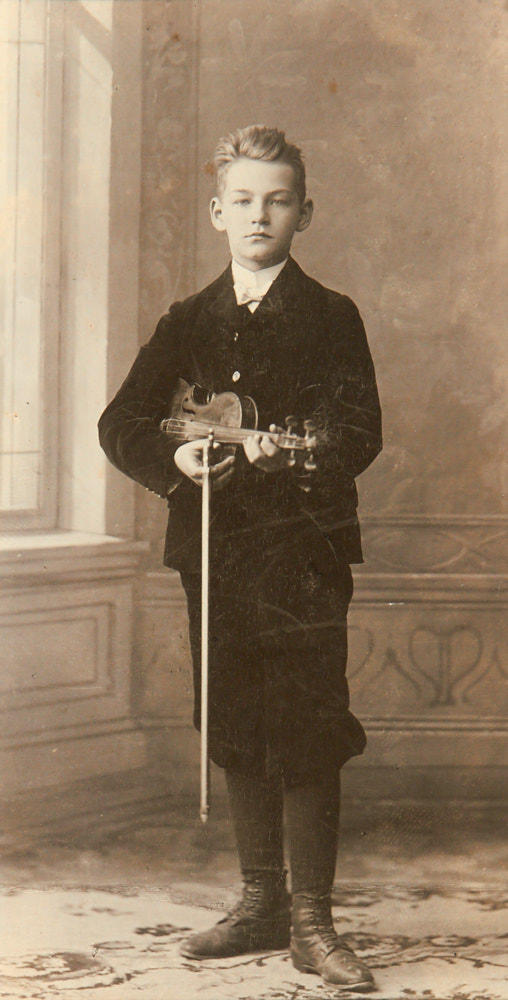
{"points": [[315, 946], [260, 921]]}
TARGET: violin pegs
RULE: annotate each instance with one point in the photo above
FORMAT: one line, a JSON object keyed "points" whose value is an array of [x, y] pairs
{"points": [[304, 485], [291, 423], [310, 441], [292, 458]]}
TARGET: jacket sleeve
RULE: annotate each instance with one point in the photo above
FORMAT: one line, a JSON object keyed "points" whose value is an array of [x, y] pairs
{"points": [[346, 407], [129, 428]]}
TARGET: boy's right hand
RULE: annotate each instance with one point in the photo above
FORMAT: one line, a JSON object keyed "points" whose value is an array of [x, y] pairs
{"points": [[189, 459]]}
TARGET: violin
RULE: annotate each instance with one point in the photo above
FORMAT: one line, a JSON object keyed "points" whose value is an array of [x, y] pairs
{"points": [[230, 419]]}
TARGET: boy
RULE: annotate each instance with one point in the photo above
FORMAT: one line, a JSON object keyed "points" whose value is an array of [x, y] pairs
{"points": [[280, 547]]}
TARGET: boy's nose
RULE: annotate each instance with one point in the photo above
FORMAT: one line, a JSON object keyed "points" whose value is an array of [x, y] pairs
{"points": [[259, 212]]}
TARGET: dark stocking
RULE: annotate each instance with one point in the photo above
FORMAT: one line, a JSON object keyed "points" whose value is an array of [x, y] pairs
{"points": [[312, 816], [256, 809]]}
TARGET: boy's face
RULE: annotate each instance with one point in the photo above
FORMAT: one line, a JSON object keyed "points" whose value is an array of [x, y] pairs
{"points": [[260, 211]]}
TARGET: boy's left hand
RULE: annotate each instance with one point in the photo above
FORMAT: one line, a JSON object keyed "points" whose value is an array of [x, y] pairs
{"points": [[264, 453]]}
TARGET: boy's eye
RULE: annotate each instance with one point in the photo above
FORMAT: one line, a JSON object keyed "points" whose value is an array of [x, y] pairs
{"points": [[279, 201], [241, 201]]}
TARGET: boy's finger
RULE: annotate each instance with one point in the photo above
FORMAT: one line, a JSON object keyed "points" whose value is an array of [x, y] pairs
{"points": [[221, 480], [252, 448], [268, 447], [220, 467]]}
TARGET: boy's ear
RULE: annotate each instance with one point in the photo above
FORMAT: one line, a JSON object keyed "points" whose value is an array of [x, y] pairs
{"points": [[305, 215], [216, 214]]}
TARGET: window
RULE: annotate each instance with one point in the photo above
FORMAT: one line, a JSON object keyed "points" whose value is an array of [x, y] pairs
{"points": [[70, 144], [30, 100]]}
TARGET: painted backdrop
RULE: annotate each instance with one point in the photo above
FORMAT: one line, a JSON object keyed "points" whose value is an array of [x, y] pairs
{"points": [[396, 107]]}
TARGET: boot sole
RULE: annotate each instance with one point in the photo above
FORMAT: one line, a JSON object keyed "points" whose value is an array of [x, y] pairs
{"points": [[364, 986], [233, 954], [274, 944]]}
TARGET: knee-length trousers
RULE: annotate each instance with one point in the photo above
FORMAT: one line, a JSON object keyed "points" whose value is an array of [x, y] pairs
{"points": [[278, 694]]}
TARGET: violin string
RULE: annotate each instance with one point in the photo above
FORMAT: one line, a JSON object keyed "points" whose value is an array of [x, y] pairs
{"points": [[201, 427], [228, 435], [176, 423]]}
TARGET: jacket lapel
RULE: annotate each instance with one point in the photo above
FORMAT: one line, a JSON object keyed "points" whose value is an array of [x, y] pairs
{"points": [[221, 303], [283, 296]]}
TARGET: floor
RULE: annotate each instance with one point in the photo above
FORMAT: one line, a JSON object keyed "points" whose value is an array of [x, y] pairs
{"points": [[99, 910]]}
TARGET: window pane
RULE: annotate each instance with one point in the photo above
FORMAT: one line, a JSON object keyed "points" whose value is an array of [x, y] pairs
{"points": [[22, 108]]}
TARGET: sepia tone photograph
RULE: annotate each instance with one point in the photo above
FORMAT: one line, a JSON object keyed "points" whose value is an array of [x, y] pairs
{"points": [[253, 447]]}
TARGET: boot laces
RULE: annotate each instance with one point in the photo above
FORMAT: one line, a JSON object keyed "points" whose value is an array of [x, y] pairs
{"points": [[326, 931], [322, 921], [256, 902]]}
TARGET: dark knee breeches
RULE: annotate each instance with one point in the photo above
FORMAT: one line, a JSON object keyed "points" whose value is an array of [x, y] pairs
{"points": [[278, 694]]}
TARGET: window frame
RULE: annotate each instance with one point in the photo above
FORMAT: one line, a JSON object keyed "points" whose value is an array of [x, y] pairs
{"points": [[91, 274], [44, 515]]}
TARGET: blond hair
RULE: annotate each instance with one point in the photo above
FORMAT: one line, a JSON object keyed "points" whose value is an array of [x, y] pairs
{"points": [[258, 142]]}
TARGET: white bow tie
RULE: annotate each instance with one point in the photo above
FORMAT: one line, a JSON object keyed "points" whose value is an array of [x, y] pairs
{"points": [[245, 295]]}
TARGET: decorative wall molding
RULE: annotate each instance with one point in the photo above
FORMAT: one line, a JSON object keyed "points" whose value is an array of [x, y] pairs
{"points": [[66, 656], [64, 556], [61, 736], [449, 588], [66, 609], [169, 176], [33, 638], [434, 663], [436, 544], [162, 649], [427, 666]]}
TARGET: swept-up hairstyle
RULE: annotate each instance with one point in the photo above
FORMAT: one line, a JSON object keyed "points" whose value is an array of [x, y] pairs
{"points": [[258, 142]]}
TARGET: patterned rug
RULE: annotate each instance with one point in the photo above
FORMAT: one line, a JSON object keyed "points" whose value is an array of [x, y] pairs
{"points": [[421, 944]]}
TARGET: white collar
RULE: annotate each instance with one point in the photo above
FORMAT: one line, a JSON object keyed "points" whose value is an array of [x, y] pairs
{"points": [[256, 281]]}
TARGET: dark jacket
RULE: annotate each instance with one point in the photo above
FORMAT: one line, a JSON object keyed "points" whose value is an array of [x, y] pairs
{"points": [[303, 352]]}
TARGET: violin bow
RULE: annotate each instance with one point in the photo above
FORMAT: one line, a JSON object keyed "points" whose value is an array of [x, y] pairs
{"points": [[204, 804]]}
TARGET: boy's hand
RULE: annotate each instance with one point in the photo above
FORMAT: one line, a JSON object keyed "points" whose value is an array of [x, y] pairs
{"points": [[189, 459], [264, 453]]}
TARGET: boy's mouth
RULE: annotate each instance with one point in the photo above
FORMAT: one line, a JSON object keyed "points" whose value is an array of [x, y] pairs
{"points": [[258, 236]]}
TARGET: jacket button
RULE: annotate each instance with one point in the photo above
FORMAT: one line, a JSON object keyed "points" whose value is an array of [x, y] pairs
{"points": [[236, 336], [235, 376]]}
